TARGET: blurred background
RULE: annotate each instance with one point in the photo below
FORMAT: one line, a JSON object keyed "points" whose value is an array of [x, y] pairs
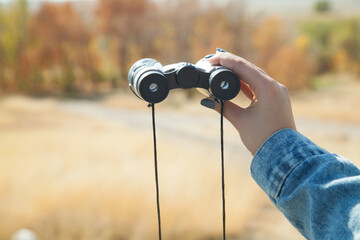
{"points": [[76, 158]]}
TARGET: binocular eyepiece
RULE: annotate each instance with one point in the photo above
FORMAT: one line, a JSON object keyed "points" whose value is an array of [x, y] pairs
{"points": [[152, 82]]}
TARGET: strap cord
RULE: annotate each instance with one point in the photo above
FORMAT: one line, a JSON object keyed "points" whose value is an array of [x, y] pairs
{"points": [[156, 168], [222, 168]]}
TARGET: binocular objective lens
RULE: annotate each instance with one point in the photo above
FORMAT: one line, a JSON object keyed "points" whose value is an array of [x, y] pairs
{"points": [[153, 87], [224, 85]]}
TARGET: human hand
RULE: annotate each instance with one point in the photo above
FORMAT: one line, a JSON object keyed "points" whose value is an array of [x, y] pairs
{"points": [[270, 108]]}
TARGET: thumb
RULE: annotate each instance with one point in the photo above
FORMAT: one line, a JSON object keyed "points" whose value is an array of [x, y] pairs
{"points": [[232, 112]]}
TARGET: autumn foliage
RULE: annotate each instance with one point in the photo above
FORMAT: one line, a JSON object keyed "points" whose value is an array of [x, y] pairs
{"points": [[61, 48]]}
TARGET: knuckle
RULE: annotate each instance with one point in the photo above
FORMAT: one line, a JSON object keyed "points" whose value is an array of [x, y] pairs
{"points": [[282, 86], [240, 61], [273, 87], [284, 89], [232, 62], [273, 84]]}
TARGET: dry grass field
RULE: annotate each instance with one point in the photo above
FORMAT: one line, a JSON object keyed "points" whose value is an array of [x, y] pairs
{"points": [[84, 169]]}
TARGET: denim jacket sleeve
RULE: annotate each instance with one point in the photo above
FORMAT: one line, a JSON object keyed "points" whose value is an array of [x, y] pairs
{"points": [[317, 191]]}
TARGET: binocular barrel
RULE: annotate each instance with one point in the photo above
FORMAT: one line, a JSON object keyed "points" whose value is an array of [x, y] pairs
{"points": [[152, 82]]}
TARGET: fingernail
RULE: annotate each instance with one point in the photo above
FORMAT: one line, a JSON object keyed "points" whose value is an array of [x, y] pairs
{"points": [[209, 56], [207, 102], [220, 50]]}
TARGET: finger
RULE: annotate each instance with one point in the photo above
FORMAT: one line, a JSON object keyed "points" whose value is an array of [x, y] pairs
{"points": [[232, 112], [220, 50], [247, 91], [247, 71], [262, 71], [244, 87]]}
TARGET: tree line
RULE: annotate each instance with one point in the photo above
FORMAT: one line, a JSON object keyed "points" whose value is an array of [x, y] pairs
{"points": [[57, 50]]}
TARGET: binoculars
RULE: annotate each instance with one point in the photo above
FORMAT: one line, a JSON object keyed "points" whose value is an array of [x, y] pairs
{"points": [[152, 82]]}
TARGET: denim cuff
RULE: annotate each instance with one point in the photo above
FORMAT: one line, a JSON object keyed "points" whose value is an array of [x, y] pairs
{"points": [[278, 156]]}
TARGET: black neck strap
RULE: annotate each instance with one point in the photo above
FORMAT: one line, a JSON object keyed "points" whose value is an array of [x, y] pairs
{"points": [[222, 168], [156, 169]]}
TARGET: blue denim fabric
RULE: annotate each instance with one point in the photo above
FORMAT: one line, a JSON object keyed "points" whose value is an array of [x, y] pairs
{"points": [[317, 191]]}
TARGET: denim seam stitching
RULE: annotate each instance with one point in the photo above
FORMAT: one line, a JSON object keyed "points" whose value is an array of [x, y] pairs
{"points": [[291, 168], [282, 180], [286, 166]]}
